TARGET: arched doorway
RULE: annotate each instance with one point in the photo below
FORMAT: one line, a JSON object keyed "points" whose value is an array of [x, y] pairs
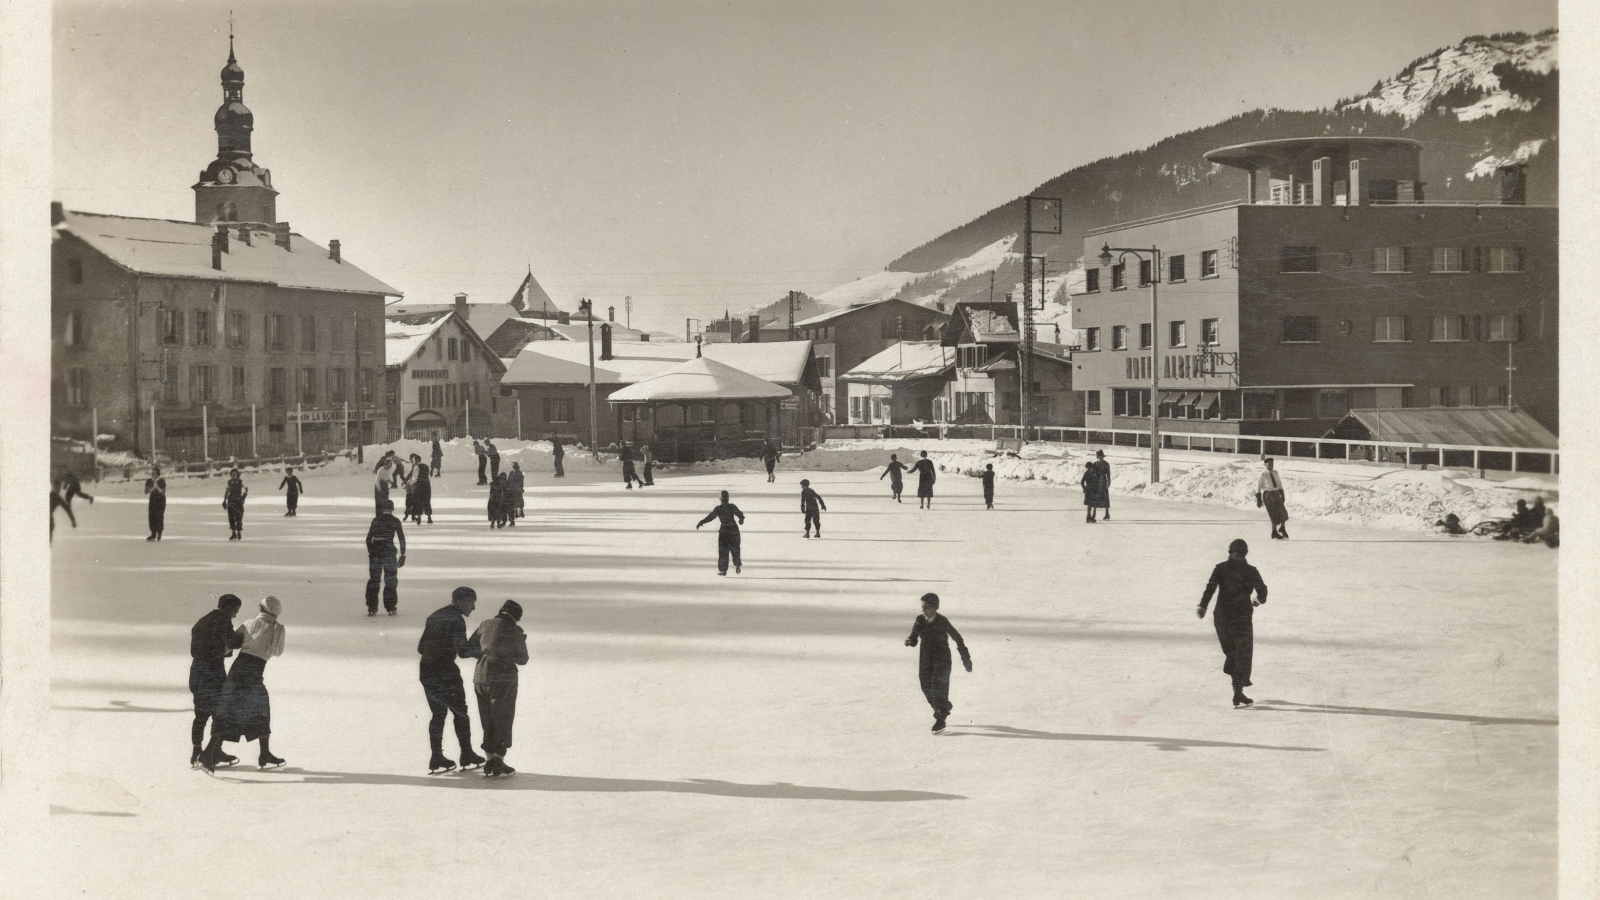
{"points": [[422, 424]]}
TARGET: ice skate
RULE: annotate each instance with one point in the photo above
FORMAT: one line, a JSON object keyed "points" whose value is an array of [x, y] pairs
{"points": [[268, 761], [1240, 700], [194, 758], [224, 759], [440, 764], [938, 725], [492, 767], [371, 612], [505, 769], [394, 612], [470, 760], [737, 569]]}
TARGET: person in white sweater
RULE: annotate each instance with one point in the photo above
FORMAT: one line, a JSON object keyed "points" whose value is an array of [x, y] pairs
{"points": [[246, 709]]}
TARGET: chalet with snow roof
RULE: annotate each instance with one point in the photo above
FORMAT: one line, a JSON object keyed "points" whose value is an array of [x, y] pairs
{"points": [[442, 379], [984, 386], [845, 338]]}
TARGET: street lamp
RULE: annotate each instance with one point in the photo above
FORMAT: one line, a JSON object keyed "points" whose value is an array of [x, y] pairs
{"points": [[1107, 254], [586, 307]]}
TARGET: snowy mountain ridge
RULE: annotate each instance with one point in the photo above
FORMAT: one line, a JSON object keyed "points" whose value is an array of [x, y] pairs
{"points": [[1476, 64]]}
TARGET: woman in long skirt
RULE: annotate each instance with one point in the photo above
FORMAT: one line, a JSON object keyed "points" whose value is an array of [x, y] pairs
{"points": [[246, 709], [497, 507], [1095, 493], [156, 487], [233, 502], [421, 493], [514, 479]]}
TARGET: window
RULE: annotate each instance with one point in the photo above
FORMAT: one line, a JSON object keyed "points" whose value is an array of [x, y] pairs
{"points": [[171, 326], [438, 348], [1444, 396], [1502, 396], [466, 350], [75, 334], [455, 353], [1130, 402], [308, 333], [364, 376], [1391, 329], [422, 397], [202, 327], [169, 382], [450, 395], [202, 384], [274, 336], [1208, 264], [1297, 259], [855, 409], [877, 409], [1449, 328], [1448, 259], [824, 367], [558, 409], [75, 271], [237, 385], [1505, 328], [336, 386], [77, 386], [1091, 339], [1091, 280], [1332, 404], [1175, 268], [1144, 336], [1503, 260], [338, 333], [306, 385], [972, 356], [1091, 402], [1144, 272], [1299, 329], [237, 331], [1119, 337], [277, 386], [1118, 272], [1210, 332], [1390, 260], [1177, 334]]}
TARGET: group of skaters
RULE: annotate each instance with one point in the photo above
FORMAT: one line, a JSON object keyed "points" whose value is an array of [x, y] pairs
{"points": [[926, 476], [1528, 524]]}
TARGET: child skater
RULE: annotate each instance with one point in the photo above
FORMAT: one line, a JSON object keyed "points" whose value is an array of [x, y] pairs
{"points": [[811, 507], [988, 485], [233, 501], [295, 487], [896, 479], [933, 664]]}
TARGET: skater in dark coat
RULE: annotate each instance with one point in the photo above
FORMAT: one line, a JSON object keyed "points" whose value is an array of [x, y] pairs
{"points": [[438, 455], [629, 474], [649, 465], [497, 502], [503, 646], [483, 462], [493, 453], [444, 638], [246, 707], [1094, 491], [926, 476], [1269, 493], [514, 481], [811, 507], [933, 631], [420, 496], [1233, 581], [727, 534], [769, 455], [211, 640], [71, 487], [233, 501], [556, 454], [1104, 469], [988, 485], [295, 487], [383, 560], [896, 482], [156, 487]]}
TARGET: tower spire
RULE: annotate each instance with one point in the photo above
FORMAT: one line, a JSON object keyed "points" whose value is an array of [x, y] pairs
{"points": [[233, 188]]}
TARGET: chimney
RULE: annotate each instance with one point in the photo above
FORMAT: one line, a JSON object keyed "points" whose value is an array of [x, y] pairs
{"points": [[333, 250], [754, 330], [563, 318], [461, 305], [1513, 184], [58, 213], [605, 341], [219, 246], [611, 314], [280, 234]]}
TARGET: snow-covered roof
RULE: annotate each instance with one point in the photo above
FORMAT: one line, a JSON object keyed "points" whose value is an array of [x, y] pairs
{"points": [[1472, 427], [567, 362], [484, 317], [700, 379], [578, 330], [183, 250], [838, 313], [904, 361], [404, 335]]}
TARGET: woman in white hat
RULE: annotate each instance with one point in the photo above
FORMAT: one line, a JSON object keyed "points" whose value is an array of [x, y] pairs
{"points": [[246, 707]]}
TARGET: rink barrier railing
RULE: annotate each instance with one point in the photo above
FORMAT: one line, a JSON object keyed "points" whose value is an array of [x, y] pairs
{"points": [[171, 468], [1399, 453]]}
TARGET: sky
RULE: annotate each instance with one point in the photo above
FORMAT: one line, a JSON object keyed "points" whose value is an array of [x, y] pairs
{"points": [[695, 156]]}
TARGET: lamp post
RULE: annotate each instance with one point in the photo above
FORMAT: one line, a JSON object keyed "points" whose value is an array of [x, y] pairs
{"points": [[586, 307], [1107, 254]]}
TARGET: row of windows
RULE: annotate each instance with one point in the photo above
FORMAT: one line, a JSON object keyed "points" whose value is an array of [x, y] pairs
{"points": [[204, 386], [197, 327], [1177, 335], [1293, 403], [1177, 270], [1397, 329], [1399, 260], [443, 396]]}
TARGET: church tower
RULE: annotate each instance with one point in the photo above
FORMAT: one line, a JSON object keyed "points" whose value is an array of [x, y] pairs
{"points": [[233, 188]]}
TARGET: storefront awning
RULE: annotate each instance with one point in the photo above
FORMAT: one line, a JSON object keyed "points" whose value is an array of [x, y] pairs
{"points": [[1189, 398], [1208, 399], [1171, 396]]}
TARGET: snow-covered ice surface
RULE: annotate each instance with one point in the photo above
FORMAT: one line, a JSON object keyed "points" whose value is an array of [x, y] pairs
{"points": [[681, 734]]}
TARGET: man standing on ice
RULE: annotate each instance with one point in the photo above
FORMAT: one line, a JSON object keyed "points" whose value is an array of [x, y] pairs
{"points": [[649, 465], [1233, 581], [811, 507], [233, 501], [556, 454], [383, 562], [727, 534], [934, 631], [988, 485], [629, 474], [925, 479], [438, 454], [294, 486], [769, 455], [894, 470], [503, 647], [1269, 493], [444, 638], [493, 453], [1103, 468], [211, 640], [156, 487], [483, 462]]}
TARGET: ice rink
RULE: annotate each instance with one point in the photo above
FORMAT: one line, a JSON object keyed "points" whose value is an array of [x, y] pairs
{"points": [[681, 734]]}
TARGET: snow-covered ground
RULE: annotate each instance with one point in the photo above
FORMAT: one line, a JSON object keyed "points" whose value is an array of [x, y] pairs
{"points": [[681, 734]]}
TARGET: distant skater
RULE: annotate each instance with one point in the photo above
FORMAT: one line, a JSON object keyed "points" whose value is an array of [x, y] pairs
{"points": [[483, 462], [727, 534], [246, 707], [156, 487], [649, 465], [1094, 491], [1104, 468], [498, 502], [71, 487], [769, 455], [1269, 493], [629, 474], [444, 638], [926, 476], [437, 456], [420, 494], [384, 560], [1233, 581], [988, 485], [211, 640], [233, 501], [934, 632], [514, 481], [292, 482], [503, 646], [493, 453], [811, 507], [896, 482], [556, 453]]}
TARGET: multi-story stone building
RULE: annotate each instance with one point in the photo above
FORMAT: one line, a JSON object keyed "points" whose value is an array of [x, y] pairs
{"points": [[269, 341], [1332, 286]]}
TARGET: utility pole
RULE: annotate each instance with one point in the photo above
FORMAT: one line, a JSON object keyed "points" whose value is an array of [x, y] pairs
{"points": [[791, 315], [1109, 254], [355, 340], [586, 307], [627, 311], [1510, 368], [1025, 354]]}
